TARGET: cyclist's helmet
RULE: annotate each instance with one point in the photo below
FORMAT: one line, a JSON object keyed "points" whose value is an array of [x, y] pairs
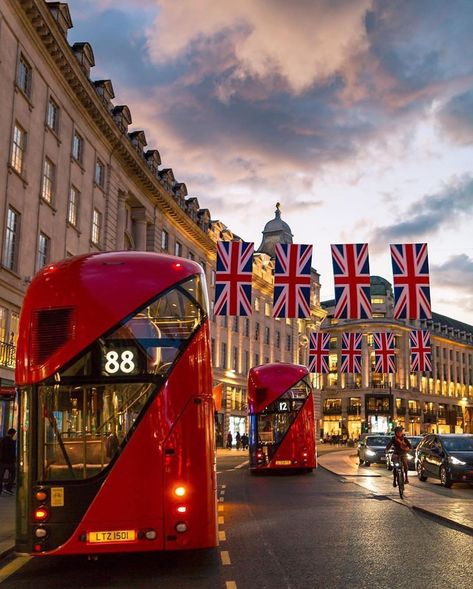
{"points": [[398, 428]]}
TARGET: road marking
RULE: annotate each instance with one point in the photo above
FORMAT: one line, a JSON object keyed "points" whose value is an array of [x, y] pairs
{"points": [[230, 585], [222, 536], [12, 567], [221, 507], [242, 464], [225, 556], [221, 519]]}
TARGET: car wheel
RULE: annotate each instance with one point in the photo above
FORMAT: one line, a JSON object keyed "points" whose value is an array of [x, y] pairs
{"points": [[445, 477], [420, 472], [367, 463]]}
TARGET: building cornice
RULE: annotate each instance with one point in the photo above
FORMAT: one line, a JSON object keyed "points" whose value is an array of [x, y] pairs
{"points": [[57, 47]]}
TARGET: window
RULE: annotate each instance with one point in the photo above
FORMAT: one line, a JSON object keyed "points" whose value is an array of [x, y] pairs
{"points": [[164, 240], [278, 339], [73, 206], [24, 76], [223, 359], [52, 117], [247, 327], [12, 235], [257, 331], [178, 249], [78, 147], [235, 324], [257, 304], [377, 300], [99, 173], [96, 227], [288, 343], [49, 179], [3, 325], [191, 255], [247, 362], [267, 309], [43, 251], [267, 335], [235, 359], [256, 359], [18, 149]]}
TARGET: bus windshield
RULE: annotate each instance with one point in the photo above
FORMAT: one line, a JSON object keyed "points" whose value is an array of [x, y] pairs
{"points": [[89, 408]]}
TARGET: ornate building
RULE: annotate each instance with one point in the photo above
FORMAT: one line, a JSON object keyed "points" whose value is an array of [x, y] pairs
{"points": [[75, 179], [438, 401]]}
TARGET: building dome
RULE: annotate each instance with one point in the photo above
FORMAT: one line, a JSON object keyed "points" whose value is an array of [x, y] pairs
{"points": [[380, 286], [275, 231]]}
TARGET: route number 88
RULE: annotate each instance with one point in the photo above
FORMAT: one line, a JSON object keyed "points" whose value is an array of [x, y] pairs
{"points": [[119, 362]]}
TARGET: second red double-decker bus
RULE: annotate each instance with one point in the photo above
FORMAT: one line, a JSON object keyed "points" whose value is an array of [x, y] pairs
{"points": [[281, 413], [116, 442]]}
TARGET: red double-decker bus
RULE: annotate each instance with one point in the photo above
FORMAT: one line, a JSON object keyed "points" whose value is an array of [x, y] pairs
{"points": [[281, 414], [116, 441]]}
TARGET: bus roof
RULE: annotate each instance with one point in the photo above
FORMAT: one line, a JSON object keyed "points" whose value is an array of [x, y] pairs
{"points": [[268, 382], [98, 290]]}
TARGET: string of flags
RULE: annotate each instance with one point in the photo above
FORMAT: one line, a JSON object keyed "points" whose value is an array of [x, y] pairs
{"points": [[383, 347], [291, 297]]}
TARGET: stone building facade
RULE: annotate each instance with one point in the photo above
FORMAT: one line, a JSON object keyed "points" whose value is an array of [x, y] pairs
{"points": [[74, 178], [439, 401]]}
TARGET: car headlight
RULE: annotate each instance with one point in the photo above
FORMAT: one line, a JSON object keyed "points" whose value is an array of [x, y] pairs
{"points": [[454, 460], [410, 456], [370, 453]]}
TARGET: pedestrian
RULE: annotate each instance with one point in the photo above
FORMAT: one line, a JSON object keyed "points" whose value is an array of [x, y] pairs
{"points": [[244, 441], [238, 440], [229, 440], [7, 461]]}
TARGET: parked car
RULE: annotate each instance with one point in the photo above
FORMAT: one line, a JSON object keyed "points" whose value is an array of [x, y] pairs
{"points": [[371, 449], [448, 457], [414, 440]]}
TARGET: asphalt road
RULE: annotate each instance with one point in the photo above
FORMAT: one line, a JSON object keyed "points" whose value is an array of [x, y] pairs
{"points": [[282, 532]]}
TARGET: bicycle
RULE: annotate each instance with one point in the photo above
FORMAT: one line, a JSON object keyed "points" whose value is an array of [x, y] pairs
{"points": [[398, 474]]}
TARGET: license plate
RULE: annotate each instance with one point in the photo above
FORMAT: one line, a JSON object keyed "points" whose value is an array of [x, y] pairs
{"points": [[108, 537], [283, 462]]}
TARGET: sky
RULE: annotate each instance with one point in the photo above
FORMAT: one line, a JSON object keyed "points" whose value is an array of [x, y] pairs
{"points": [[355, 115]]}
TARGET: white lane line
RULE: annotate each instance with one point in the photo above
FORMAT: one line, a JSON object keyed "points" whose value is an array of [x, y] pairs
{"points": [[230, 585], [242, 464], [221, 520], [222, 536], [225, 556], [12, 567]]}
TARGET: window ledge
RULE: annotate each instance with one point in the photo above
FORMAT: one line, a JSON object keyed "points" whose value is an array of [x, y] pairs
{"points": [[74, 227], [53, 132], [99, 186], [76, 161], [43, 201], [21, 175], [19, 90]]}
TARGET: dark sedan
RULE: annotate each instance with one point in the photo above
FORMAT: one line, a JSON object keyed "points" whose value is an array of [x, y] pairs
{"points": [[448, 457], [414, 440], [371, 449]]}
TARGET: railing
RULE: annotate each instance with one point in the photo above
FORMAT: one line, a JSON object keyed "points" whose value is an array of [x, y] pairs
{"points": [[401, 410], [332, 410], [430, 417], [414, 412], [354, 410], [7, 355]]}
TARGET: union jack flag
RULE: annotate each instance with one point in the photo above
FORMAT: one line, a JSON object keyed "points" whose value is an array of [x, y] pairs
{"points": [[421, 358], [292, 280], [233, 278], [318, 352], [351, 353], [351, 274], [384, 353], [411, 281]]}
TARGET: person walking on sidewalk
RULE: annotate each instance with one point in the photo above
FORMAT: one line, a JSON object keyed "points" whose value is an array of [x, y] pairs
{"points": [[7, 461], [229, 440]]}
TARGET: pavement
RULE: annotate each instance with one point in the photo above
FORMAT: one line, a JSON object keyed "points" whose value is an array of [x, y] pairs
{"points": [[342, 463], [422, 497]]}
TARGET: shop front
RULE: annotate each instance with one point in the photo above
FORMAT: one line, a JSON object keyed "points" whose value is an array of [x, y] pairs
{"points": [[8, 408]]}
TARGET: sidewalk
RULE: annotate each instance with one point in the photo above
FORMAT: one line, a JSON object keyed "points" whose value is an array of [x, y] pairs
{"points": [[456, 510], [7, 524]]}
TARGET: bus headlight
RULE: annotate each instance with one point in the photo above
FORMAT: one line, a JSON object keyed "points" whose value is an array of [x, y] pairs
{"points": [[41, 532]]}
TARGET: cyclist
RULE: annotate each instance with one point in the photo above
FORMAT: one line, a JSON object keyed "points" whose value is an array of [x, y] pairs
{"points": [[401, 448]]}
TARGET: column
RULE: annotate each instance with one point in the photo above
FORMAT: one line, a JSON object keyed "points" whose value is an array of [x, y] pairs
{"points": [[121, 220], [140, 221]]}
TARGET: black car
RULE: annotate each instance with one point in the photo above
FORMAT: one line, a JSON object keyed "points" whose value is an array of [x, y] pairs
{"points": [[414, 440], [371, 449], [448, 457]]}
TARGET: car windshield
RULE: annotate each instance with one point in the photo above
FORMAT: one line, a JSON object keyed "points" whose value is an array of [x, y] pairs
{"points": [[459, 444], [415, 441], [377, 441]]}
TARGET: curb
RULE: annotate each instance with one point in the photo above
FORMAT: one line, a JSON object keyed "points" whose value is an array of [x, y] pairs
{"points": [[443, 519], [7, 552]]}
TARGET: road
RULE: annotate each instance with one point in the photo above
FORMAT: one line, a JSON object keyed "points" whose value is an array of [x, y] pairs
{"points": [[290, 532]]}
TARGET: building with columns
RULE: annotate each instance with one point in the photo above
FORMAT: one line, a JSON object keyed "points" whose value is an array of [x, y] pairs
{"points": [[439, 401], [74, 178]]}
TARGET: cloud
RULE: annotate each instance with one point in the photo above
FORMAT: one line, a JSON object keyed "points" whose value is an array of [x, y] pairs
{"points": [[429, 214], [456, 118], [456, 273]]}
